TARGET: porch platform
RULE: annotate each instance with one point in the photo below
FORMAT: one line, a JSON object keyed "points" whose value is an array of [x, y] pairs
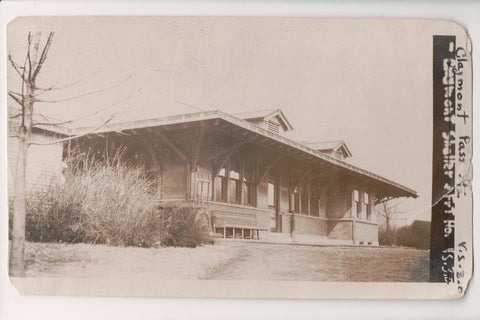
{"points": [[303, 240]]}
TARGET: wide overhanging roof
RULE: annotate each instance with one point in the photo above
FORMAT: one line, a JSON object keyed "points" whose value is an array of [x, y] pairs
{"points": [[389, 188]]}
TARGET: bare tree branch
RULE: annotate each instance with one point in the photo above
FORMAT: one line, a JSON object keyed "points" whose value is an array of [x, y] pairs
{"points": [[96, 113], [54, 87], [52, 123], [29, 58], [15, 93], [51, 88], [20, 102], [23, 87], [15, 116], [43, 56], [73, 137], [190, 105], [35, 48], [16, 67], [85, 94]]}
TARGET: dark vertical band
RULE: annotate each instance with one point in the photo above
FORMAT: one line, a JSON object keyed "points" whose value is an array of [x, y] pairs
{"points": [[443, 161]]}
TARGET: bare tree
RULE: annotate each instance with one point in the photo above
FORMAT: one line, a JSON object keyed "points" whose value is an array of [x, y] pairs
{"points": [[387, 211], [28, 72], [35, 57]]}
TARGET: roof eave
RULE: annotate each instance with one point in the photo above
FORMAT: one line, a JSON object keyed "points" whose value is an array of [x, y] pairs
{"points": [[217, 114]]}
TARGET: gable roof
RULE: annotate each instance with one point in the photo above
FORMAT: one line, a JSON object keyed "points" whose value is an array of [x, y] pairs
{"points": [[328, 146], [266, 115]]}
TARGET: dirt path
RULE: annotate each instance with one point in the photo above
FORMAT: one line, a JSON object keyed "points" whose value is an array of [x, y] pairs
{"points": [[284, 262]]}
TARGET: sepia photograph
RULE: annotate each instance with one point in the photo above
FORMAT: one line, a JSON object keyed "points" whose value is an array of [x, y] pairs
{"points": [[213, 155]]}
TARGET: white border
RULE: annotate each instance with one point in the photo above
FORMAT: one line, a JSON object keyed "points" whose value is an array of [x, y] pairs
{"points": [[14, 306]]}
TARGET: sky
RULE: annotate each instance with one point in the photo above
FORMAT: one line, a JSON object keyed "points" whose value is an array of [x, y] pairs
{"points": [[367, 82]]}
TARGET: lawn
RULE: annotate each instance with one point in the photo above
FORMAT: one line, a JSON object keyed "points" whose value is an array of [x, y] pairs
{"points": [[231, 261], [90, 261]]}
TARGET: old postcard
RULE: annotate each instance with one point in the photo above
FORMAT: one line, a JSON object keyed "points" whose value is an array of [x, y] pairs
{"points": [[246, 157]]}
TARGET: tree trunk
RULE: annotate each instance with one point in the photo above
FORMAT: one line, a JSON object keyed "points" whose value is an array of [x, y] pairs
{"points": [[17, 249], [28, 73], [17, 246]]}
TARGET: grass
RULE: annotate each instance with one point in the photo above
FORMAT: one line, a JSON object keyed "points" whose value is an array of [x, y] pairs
{"points": [[93, 261], [238, 261], [352, 264]]}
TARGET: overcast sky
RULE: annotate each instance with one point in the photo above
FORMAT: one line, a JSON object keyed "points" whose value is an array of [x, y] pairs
{"points": [[366, 82]]}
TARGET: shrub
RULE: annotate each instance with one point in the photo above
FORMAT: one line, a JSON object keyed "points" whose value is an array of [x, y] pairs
{"points": [[101, 205], [386, 238], [109, 204], [185, 226], [53, 212], [416, 235]]}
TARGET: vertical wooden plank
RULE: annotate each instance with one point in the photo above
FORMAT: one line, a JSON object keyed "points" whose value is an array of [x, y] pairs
{"points": [[307, 209], [227, 187], [193, 184], [214, 174], [300, 193], [188, 182], [255, 181], [242, 175]]}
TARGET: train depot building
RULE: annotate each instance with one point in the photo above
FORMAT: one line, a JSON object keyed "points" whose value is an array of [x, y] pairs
{"points": [[252, 181]]}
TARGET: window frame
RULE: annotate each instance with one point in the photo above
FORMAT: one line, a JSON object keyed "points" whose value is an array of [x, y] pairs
{"points": [[245, 185]]}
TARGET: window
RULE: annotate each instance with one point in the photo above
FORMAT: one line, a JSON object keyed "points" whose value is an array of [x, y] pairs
{"points": [[361, 205], [248, 195], [234, 184], [248, 191], [221, 186], [303, 198], [294, 199], [357, 208], [202, 190], [271, 194], [299, 202], [368, 207]]}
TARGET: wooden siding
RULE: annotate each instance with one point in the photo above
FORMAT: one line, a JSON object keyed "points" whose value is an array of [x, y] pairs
{"points": [[44, 163]]}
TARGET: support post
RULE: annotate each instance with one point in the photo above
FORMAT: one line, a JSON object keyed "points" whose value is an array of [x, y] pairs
{"points": [[307, 209], [172, 146]]}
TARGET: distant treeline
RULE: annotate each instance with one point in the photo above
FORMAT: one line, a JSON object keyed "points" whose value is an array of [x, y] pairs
{"points": [[416, 235]]}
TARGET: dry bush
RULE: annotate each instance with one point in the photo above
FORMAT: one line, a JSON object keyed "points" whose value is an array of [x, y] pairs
{"points": [[108, 203], [53, 212], [185, 226]]}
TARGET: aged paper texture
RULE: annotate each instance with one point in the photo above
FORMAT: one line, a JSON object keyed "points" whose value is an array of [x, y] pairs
{"points": [[244, 157]]}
